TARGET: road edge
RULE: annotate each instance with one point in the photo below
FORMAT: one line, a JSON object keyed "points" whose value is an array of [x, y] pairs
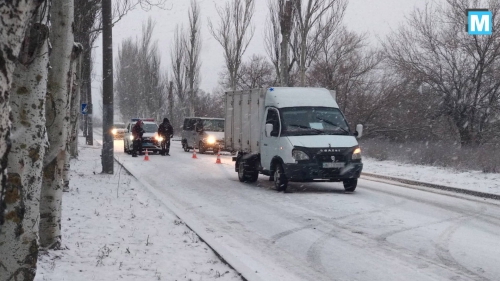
{"points": [[246, 273], [435, 186]]}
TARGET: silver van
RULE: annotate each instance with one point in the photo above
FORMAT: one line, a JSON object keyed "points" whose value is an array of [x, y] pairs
{"points": [[203, 133]]}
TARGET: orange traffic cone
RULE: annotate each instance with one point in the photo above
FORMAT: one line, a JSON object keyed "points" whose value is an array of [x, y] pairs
{"points": [[146, 156], [194, 153], [218, 158]]}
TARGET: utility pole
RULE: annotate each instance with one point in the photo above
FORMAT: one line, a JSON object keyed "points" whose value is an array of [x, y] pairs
{"points": [[107, 86]]}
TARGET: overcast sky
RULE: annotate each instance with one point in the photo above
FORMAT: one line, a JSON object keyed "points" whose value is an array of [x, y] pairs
{"points": [[376, 17]]}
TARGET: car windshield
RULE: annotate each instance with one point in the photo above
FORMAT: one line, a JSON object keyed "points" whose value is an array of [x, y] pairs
{"points": [[213, 125], [150, 128], [119, 126], [313, 121]]}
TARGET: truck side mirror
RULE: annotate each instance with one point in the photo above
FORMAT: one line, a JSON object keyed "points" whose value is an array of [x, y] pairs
{"points": [[269, 129], [359, 131]]}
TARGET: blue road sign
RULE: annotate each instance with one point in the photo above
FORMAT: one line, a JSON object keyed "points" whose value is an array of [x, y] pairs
{"points": [[84, 108]]}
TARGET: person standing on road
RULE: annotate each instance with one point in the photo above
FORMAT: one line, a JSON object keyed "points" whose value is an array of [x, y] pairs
{"points": [[166, 131], [137, 132]]}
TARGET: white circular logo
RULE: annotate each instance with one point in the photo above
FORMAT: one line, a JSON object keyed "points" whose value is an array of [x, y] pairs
{"points": [[333, 158]]}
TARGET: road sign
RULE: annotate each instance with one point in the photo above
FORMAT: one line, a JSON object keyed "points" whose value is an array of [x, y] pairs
{"points": [[84, 108]]}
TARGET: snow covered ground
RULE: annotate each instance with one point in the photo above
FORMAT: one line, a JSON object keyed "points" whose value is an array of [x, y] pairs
{"points": [[470, 180], [113, 229]]}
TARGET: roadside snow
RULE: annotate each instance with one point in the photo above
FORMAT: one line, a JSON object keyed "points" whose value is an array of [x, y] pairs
{"points": [[470, 180], [114, 229]]}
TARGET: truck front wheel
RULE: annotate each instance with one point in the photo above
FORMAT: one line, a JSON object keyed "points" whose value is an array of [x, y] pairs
{"points": [[350, 184], [280, 180]]}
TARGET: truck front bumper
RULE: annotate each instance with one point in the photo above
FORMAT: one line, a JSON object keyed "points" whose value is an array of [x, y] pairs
{"points": [[308, 172]]}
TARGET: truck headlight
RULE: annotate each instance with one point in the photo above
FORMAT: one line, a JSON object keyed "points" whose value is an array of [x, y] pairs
{"points": [[299, 155], [113, 131], [210, 140], [356, 155]]}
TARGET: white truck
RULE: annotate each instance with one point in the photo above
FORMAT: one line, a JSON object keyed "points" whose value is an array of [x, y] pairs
{"points": [[291, 134]]}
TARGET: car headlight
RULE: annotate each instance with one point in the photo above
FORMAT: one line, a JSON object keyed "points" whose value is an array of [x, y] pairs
{"points": [[131, 137], [356, 155], [113, 131], [299, 155], [210, 140], [159, 138]]}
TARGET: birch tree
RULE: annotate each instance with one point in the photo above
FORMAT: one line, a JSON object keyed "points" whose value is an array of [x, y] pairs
{"points": [[14, 16], [73, 112], [193, 48], [234, 34], [57, 122], [19, 235], [316, 21]]}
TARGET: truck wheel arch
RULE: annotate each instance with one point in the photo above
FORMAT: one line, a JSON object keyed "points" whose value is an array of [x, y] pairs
{"points": [[274, 161]]}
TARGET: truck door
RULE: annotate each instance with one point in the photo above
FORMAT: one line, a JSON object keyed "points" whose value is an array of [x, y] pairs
{"points": [[270, 143]]}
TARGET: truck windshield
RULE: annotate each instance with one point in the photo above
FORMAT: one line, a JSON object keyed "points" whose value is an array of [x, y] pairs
{"points": [[299, 121], [213, 125]]}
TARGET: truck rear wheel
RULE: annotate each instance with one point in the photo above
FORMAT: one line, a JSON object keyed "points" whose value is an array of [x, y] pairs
{"points": [[350, 184], [280, 180], [246, 176]]}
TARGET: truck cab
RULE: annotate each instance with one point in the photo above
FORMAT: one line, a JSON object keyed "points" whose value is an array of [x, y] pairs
{"points": [[292, 134]]}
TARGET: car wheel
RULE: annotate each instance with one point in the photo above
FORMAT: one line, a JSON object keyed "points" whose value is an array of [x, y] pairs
{"points": [[125, 148], [246, 176], [350, 184], [201, 148], [280, 180]]}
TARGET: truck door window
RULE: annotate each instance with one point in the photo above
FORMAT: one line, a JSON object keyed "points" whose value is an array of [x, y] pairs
{"points": [[273, 118]]}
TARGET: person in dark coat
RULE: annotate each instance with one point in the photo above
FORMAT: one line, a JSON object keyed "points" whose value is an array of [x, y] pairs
{"points": [[137, 132], [166, 131]]}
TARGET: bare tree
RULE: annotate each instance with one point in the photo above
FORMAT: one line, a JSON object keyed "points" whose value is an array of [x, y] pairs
{"points": [[277, 38], [464, 71], [19, 235], [57, 123], [140, 85], [234, 34], [178, 59], [15, 17], [316, 21], [193, 48], [345, 63]]}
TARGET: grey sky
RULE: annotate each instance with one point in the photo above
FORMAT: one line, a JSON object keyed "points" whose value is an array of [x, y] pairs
{"points": [[376, 17]]}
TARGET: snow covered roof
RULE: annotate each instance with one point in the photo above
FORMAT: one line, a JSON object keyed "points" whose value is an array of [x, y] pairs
{"points": [[294, 96]]}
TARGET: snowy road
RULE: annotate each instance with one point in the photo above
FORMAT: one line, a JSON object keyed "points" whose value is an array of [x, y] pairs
{"points": [[318, 232]]}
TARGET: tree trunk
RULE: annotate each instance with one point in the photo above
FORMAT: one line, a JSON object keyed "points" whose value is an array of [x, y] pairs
{"points": [[76, 101], [19, 235], [286, 28], [14, 17], [57, 122], [73, 111], [171, 102]]}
